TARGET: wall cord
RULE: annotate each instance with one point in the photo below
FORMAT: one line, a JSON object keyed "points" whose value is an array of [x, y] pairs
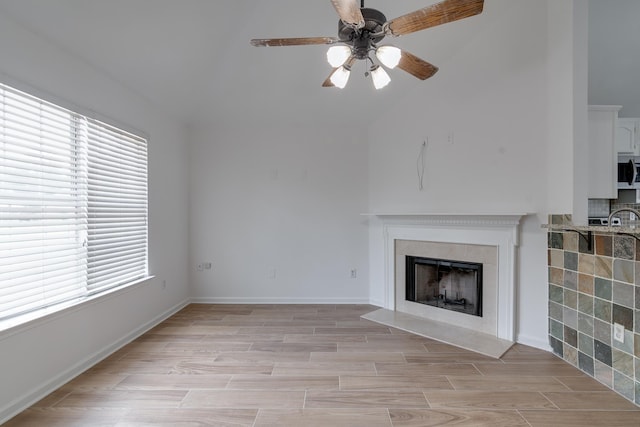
{"points": [[421, 164]]}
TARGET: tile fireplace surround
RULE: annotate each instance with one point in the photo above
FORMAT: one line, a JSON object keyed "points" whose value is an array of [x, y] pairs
{"points": [[491, 239]]}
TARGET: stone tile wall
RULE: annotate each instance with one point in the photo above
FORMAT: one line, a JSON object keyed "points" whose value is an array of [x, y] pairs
{"points": [[589, 291]]}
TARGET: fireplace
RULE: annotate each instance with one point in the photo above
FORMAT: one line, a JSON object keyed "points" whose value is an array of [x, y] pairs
{"points": [[487, 239], [446, 284]]}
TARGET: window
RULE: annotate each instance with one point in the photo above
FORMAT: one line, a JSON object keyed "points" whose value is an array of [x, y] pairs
{"points": [[73, 205]]}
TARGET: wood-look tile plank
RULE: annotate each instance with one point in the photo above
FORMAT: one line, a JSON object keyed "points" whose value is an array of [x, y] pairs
{"points": [[244, 399], [253, 382], [188, 417], [173, 382], [155, 365], [261, 357], [530, 357], [219, 368], [360, 417], [365, 399], [325, 338], [294, 347], [244, 338], [458, 418], [323, 369], [544, 369], [581, 383], [591, 400], [585, 418], [353, 382], [67, 417], [370, 347], [347, 357], [198, 330], [123, 399], [499, 400], [167, 338], [273, 330], [192, 348], [353, 330], [93, 382], [52, 398], [315, 323], [507, 383], [438, 347], [459, 357], [417, 369]]}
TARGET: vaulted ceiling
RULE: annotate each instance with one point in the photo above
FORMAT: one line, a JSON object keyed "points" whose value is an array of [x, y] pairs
{"points": [[193, 57]]}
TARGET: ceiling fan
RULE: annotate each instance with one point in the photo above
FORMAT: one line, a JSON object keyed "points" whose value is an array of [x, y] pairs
{"points": [[360, 30]]}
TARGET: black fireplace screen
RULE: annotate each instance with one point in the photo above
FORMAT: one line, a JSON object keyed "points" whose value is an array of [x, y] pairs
{"points": [[451, 285]]}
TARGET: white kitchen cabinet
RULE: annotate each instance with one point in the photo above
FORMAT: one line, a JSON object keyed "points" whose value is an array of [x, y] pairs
{"points": [[627, 136], [603, 154]]}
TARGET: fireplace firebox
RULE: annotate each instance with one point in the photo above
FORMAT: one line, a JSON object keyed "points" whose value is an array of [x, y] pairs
{"points": [[447, 284]]}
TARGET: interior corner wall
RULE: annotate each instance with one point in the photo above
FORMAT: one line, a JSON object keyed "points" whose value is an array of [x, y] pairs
{"points": [[493, 97], [42, 356], [276, 210]]}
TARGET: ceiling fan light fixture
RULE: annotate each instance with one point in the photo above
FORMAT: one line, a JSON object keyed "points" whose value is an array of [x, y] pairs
{"points": [[340, 77], [380, 77], [337, 55], [389, 56]]}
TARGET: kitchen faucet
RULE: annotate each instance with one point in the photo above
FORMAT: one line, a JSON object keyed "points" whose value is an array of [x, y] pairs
{"points": [[633, 211]]}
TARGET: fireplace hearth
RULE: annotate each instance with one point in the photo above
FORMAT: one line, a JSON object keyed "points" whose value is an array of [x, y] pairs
{"points": [[446, 284]]}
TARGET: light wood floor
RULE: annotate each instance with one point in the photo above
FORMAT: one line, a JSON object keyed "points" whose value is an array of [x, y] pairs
{"points": [[320, 365]]}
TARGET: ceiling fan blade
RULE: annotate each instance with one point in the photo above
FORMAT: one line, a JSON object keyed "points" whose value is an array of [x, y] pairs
{"points": [[295, 41], [349, 12], [416, 66], [431, 16]]}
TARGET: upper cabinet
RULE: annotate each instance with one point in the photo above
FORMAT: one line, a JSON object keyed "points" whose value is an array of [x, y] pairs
{"points": [[603, 154], [628, 136]]}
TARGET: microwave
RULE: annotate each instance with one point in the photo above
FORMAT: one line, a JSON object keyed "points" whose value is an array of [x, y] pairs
{"points": [[628, 172]]}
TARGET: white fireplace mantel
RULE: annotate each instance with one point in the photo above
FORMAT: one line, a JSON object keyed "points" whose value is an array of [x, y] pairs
{"points": [[494, 229]]}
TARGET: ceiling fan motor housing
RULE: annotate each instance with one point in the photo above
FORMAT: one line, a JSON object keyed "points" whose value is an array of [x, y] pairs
{"points": [[361, 39]]}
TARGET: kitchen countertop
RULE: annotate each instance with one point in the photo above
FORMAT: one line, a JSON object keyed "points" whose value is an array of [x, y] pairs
{"points": [[616, 229]]}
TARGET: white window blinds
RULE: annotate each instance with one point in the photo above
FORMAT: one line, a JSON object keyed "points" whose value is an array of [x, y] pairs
{"points": [[73, 205], [117, 207]]}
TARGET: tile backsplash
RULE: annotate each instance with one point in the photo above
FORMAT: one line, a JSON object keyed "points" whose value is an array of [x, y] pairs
{"points": [[590, 290]]}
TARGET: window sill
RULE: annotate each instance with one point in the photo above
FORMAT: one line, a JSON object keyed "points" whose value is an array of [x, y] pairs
{"points": [[15, 325]]}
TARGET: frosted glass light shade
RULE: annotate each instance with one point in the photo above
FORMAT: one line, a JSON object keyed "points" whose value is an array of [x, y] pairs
{"points": [[340, 77], [389, 56], [337, 55], [380, 77]]}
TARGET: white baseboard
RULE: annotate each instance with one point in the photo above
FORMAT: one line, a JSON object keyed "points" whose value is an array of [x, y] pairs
{"points": [[533, 342], [20, 404], [268, 300]]}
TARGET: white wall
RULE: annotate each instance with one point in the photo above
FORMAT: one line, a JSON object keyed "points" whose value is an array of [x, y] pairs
{"points": [[42, 356], [493, 97], [614, 63], [285, 199]]}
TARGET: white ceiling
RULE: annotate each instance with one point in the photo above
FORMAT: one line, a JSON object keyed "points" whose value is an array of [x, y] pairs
{"points": [[193, 57]]}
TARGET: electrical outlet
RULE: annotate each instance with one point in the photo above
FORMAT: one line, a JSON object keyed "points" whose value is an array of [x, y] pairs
{"points": [[618, 332], [207, 265], [354, 273], [200, 267]]}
